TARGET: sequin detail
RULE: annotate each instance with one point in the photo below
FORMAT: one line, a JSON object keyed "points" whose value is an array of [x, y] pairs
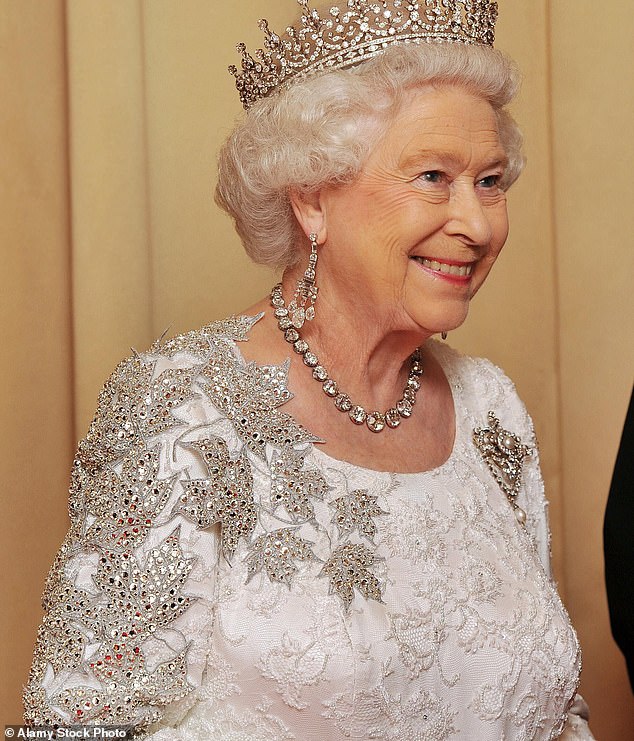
{"points": [[127, 685], [125, 506], [68, 650], [275, 554], [132, 407], [355, 512], [249, 396], [348, 567], [292, 488], [225, 497], [143, 599], [134, 602], [197, 342]]}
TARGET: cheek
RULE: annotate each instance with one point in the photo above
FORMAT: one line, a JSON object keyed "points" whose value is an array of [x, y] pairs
{"points": [[499, 230], [388, 220], [504, 226]]}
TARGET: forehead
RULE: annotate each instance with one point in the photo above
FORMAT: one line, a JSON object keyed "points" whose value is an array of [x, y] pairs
{"points": [[446, 119]]}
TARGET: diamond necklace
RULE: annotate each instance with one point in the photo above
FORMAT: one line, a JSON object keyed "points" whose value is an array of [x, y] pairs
{"points": [[375, 421]]}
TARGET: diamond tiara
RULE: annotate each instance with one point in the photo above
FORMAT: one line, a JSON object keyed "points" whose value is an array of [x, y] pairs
{"points": [[359, 30]]}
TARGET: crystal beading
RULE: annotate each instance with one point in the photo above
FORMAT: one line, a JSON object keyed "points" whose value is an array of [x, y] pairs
{"points": [[355, 512], [349, 567], [348, 35], [375, 421]]}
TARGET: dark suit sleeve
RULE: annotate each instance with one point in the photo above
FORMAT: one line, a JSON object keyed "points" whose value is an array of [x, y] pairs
{"points": [[618, 541]]}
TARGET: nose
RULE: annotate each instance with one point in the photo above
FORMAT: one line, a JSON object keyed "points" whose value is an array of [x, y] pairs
{"points": [[467, 217]]}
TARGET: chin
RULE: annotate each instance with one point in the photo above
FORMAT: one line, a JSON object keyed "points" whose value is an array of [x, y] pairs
{"points": [[435, 322]]}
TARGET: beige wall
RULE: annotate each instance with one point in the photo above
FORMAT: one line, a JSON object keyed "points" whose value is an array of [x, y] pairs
{"points": [[111, 117], [36, 400], [593, 124]]}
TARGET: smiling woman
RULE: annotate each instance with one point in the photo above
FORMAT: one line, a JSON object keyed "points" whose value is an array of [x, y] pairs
{"points": [[427, 194], [338, 528]]}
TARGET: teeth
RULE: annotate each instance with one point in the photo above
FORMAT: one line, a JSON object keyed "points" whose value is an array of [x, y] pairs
{"points": [[460, 270]]}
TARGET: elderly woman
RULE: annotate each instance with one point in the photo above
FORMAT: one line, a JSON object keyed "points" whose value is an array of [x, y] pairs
{"points": [[336, 529]]}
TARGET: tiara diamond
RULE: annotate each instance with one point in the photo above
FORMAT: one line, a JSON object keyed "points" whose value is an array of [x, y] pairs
{"points": [[357, 31]]}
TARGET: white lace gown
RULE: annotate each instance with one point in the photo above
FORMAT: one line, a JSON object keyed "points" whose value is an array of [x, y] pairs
{"points": [[223, 578]]}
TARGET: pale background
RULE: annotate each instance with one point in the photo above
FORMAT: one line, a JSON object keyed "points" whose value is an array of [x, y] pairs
{"points": [[110, 117]]}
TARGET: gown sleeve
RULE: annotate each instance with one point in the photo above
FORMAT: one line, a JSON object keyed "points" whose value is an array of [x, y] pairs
{"points": [[536, 505], [128, 603]]}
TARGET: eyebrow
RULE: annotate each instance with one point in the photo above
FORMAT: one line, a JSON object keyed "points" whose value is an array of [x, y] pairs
{"points": [[445, 158]]}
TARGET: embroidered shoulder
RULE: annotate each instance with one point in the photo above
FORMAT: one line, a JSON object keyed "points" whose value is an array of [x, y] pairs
{"points": [[249, 396], [226, 496], [138, 399], [484, 387], [199, 342], [135, 404]]}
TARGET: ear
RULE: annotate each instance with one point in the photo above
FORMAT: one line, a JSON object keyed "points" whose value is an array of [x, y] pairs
{"points": [[309, 212]]}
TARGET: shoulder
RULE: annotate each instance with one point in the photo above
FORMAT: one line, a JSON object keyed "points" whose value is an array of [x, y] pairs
{"points": [[189, 382], [200, 344], [145, 395], [488, 402], [484, 387]]}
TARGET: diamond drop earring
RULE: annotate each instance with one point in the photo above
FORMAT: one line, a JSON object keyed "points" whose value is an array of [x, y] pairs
{"points": [[302, 308]]}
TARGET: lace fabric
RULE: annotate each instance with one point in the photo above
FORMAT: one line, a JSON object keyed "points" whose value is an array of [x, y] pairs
{"points": [[224, 578]]}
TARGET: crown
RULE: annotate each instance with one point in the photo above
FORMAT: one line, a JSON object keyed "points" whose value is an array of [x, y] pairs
{"points": [[351, 34]]}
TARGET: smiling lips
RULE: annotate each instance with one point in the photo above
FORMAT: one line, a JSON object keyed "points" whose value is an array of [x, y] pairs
{"points": [[460, 272]]}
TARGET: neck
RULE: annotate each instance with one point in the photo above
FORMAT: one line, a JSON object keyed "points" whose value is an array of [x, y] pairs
{"points": [[361, 350]]}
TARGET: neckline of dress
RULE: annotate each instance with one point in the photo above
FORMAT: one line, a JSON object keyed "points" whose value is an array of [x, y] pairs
{"points": [[441, 353]]}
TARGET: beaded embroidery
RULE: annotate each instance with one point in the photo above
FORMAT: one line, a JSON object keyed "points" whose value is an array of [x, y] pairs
{"points": [[140, 600], [275, 554], [126, 685], [249, 396], [196, 342], [355, 512], [118, 495], [133, 604], [225, 497], [125, 506], [292, 488], [132, 407], [349, 567], [68, 650]]}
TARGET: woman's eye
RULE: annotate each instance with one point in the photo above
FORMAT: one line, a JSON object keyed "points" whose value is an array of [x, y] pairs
{"points": [[432, 176], [491, 181]]}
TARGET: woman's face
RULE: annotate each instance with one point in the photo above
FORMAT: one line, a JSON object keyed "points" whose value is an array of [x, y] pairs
{"points": [[414, 237]]}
